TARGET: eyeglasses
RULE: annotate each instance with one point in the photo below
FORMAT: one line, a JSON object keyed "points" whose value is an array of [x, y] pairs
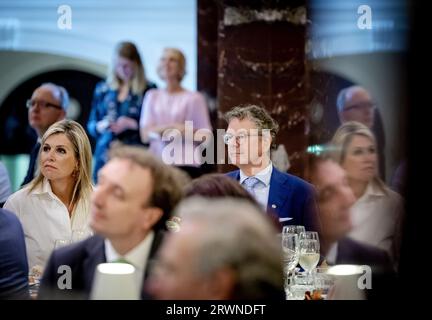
{"points": [[43, 104], [240, 137], [361, 106]]}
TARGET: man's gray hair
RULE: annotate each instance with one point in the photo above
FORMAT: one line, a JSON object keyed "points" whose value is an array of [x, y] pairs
{"points": [[235, 234], [342, 96], [60, 93]]}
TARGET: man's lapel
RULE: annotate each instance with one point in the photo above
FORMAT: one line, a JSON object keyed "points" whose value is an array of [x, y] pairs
{"points": [[278, 192], [95, 254], [157, 241]]}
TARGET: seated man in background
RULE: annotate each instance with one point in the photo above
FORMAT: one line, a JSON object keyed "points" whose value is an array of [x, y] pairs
{"points": [[250, 135], [13, 258], [225, 249], [134, 197], [335, 199], [48, 104]]}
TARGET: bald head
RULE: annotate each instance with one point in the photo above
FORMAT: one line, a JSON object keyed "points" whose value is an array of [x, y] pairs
{"points": [[48, 104], [355, 104], [225, 249]]}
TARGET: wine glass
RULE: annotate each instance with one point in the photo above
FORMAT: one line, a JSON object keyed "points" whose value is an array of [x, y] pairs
{"points": [[293, 229], [309, 247], [290, 255]]}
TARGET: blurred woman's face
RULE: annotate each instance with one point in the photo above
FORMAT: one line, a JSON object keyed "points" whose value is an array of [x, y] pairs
{"points": [[57, 158], [125, 69], [360, 160], [169, 66]]}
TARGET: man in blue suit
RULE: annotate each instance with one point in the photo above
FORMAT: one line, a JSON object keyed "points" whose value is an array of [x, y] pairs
{"points": [[250, 135], [13, 258], [134, 197]]}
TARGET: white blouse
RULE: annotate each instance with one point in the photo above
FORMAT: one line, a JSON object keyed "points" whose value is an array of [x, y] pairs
{"points": [[375, 216], [45, 219]]}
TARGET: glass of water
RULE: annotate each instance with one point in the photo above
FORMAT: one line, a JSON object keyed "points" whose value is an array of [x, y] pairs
{"points": [[290, 255]]}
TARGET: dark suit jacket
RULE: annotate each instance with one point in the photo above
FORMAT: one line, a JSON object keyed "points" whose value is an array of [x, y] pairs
{"points": [[33, 158], [383, 275], [13, 258], [290, 197], [82, 258]]}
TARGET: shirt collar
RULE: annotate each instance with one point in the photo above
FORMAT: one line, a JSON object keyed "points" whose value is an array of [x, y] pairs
{"points": [[137, 256], [44, 188], [332, 254], [264, 175], [372, 190]]}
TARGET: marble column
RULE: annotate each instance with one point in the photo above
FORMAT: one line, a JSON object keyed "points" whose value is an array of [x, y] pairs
{"points": [[260, 60]]}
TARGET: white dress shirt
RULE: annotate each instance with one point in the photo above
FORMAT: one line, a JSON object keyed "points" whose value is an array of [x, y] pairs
{"points": [[44, 219], [138, 256], [374, 217], [262, 189]]}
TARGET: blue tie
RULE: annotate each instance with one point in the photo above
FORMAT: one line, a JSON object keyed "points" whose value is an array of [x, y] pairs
{"points": [[250, 184]]}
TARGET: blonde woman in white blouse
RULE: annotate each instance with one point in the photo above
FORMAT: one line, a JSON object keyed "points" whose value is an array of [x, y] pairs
{"points": [[377, 212], [57, 201]]}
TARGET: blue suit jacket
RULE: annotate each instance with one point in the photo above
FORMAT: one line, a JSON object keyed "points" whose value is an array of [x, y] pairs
{"points": [[13, 258], [83, 258], [290, 197]]}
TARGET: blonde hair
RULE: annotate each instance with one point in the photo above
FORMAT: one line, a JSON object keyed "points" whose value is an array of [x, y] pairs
{"points": [[82, 151], [129, 51], [343, 137], [180, 59]]}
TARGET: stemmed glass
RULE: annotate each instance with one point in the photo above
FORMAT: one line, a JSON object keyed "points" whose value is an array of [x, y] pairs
{"points": [[290, 251], [293, 229], [309, 247]]}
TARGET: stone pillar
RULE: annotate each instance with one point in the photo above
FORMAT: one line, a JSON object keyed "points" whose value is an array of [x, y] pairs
{"points": [[261, 60]]}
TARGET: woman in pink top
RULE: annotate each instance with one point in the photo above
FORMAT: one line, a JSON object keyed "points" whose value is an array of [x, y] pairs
{"points": [[175, 120]]}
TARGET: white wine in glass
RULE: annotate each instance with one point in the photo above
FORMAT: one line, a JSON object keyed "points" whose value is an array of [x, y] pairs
{"points": [[309, 260], [309, 247]]}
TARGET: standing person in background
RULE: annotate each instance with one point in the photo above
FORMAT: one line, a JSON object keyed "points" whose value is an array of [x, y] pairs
{"points": [[57, 201], [117, 101], [48, 104], [167, 110]]}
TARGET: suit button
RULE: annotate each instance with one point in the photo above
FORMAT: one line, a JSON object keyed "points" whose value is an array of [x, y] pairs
{"points": [[273, 206]]}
